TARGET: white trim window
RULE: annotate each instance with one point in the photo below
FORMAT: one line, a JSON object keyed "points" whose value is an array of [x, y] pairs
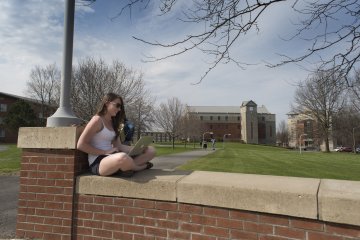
{"points": [[3, 107]]}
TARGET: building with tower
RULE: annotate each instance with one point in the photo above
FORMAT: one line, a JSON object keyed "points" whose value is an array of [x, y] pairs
{"points": [[248, 123]]}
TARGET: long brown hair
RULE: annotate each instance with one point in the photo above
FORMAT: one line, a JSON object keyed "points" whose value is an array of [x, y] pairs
{"points": [[120, 116]]}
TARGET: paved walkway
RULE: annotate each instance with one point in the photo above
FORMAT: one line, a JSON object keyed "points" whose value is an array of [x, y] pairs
{"points": [[9, 186], [3, 147], [170, 162]]}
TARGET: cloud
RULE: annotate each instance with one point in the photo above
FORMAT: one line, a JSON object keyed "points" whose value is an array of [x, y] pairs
{"points": [[28, 38], [31, 33]]}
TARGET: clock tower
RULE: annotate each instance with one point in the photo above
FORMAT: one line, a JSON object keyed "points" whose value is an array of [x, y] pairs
{"points": [[249, 122]]}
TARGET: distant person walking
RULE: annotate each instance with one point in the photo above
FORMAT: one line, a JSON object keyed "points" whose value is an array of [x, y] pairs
{"points": [[213, 143], [205, 145]]}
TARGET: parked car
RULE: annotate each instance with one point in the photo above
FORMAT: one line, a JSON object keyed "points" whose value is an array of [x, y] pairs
{"points": [[338, 149], [346, 149], [343, 149]]}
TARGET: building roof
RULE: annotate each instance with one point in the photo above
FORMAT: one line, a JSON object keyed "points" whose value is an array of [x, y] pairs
{"points": [[20, 97], [263, 109], [224, 109], [250, 103], [24, 98], [215, 109]]}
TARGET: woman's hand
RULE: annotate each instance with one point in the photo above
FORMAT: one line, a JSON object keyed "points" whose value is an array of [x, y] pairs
{"points": [[112, 150]]}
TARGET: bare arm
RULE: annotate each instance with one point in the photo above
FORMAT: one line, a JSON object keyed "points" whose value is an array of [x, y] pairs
{"points": [[95, 125], [122, 147]]}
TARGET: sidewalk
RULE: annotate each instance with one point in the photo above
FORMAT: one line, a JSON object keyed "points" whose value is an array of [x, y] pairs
{"points": [[170, 162], [8, 208], [9, 186]]}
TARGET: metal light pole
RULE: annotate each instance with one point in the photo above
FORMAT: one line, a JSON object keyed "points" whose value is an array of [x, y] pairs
{"points": [[304, 134], [204, 137], [227, 134], [64, 116]]}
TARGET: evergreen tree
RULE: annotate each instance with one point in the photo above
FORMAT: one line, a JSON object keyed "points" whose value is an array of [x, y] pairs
{"points": [[20, 115]]}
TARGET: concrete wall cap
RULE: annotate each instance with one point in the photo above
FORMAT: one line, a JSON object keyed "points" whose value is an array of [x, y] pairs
{"points": [[339, 201], [150, 184], [272, 194], [48, 137], [328, 200]]}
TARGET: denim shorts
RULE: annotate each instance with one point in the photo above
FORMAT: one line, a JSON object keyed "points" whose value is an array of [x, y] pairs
{"points": [[94, 167]]}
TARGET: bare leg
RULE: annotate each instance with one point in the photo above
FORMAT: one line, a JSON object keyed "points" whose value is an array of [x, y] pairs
{"points": [[147, 156], [118, 161]]}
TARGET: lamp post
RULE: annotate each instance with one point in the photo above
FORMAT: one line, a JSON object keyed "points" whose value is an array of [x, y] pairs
{"points": [[203, 137], [304, 134], [227, 134], [354, 143], [64, 116]]}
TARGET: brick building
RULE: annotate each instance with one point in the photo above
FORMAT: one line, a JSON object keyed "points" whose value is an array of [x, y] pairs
{"points": [[304, 131], [248, 122], [6, 100]]}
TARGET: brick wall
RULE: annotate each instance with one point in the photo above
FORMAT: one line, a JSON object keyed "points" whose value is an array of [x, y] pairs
{"points": [[51, 206], [50, 209], [99, 217], [47, 180]]}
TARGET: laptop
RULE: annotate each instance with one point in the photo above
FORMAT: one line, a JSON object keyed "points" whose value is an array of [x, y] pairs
{"points": [[140, 146]]}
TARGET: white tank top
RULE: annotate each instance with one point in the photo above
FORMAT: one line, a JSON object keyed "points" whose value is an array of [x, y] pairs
{"points": [[101, 140]]}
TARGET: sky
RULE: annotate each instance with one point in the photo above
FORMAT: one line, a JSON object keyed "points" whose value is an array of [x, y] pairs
{"points": [[31, 33]]}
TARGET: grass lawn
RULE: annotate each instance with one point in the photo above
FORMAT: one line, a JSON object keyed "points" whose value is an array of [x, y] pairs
{"points": [[257, 159], [10, 158], [246, 158]]}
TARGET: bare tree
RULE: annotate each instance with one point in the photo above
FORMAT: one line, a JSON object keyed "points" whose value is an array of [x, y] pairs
{"points": [[346, 123], [282, 134], [324, 25], [169, 118], [128, 82], [141, 113], [90, 83], [355, 91], [44, 85], [321, 97], [94, 78], [329, 25], [192, 126]]}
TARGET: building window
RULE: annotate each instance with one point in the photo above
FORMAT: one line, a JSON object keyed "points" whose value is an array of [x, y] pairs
{"points": [[201, 118], [251, 131], [270, 131], [1, 120], [226, 118], [211, 118], [3, 107], [238, 118], [263, 119], [2, 133], [219, 118]]}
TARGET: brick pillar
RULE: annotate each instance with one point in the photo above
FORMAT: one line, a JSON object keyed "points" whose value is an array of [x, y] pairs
{"points": [[47, 183]]}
